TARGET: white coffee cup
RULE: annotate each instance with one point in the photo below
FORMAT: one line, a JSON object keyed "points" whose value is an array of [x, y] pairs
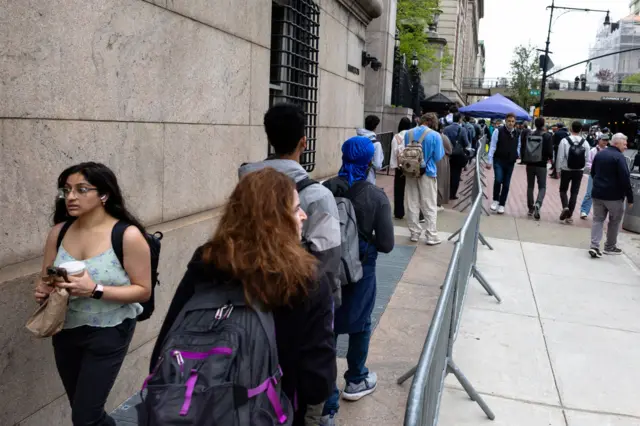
{"points": [[74, 268]]}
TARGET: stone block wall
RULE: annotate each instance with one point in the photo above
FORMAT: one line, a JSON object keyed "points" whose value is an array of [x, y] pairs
{"points": [[170, 94]]}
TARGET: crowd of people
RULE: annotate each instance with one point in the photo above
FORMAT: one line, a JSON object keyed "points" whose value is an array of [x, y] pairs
{"points": [[252, 327]]}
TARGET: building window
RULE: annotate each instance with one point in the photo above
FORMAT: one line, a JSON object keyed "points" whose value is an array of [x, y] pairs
{"points": [[293, 78]]}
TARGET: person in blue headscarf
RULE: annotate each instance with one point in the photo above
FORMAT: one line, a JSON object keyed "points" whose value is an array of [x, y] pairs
{"points": [[375, 229]]}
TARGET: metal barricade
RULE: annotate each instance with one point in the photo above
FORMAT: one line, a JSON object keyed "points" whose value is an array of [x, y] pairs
{"points": [[436, 359], [385, 140]]}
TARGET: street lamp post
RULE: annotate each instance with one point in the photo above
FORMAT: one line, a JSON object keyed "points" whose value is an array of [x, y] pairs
{"points": [[415, 89], [396, 95], [553, 6]]}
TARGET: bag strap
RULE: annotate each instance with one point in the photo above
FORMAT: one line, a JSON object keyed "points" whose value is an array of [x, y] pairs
{"points": [[424, 135], [302, 184], [117, 240], [63, 231]]}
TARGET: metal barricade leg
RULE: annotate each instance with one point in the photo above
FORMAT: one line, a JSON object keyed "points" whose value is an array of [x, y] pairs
{"points": [[484, 241], [407, 375], [473, 394], [484, 283]]}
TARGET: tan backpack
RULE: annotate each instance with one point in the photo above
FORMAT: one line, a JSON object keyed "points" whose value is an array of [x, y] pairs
{"points": [[411, 158]]}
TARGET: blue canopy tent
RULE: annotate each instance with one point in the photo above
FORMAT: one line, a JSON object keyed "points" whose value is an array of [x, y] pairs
{"points": [[497, 106]]}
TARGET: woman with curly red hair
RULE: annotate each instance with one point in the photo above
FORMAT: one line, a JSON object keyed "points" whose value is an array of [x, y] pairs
{"points": [[258, 246]]}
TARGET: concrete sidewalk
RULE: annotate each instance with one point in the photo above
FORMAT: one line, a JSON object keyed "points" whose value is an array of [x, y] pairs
{"points": [[562, 348]]}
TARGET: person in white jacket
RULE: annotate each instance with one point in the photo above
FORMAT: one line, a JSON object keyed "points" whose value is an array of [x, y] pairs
{"points": [[371, 123], [573, 156]]}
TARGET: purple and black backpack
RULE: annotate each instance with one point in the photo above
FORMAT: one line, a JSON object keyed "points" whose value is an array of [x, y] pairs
{"points": [[218, 366]]}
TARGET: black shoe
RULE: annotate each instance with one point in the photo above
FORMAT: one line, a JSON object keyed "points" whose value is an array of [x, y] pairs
{"points": [[536, 211], [595, 253], [565, 214], [530, 212], [615, 251]]}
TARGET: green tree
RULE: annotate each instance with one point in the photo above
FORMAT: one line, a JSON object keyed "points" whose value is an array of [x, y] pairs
{"points": [[632, 79], [412, 20], [525, 76]]}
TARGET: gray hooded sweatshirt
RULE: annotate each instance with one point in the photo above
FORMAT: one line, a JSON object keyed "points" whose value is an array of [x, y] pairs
{"points": [[321, 230], [378, 155]]}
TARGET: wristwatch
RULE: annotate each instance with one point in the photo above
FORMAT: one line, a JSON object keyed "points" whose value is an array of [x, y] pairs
{"points": [[97, 292]]}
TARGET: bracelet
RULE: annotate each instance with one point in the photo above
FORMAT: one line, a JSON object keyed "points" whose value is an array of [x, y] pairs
{"points": [[94, 290]]}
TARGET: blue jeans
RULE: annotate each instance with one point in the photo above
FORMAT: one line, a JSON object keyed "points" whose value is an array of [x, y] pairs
{"points": [[502, 180], [588, 201], [356, 369]]}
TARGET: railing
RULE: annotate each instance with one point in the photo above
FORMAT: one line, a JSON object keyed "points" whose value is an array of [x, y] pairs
{"points": [[385, 140], [436, 359], [562, 85]]}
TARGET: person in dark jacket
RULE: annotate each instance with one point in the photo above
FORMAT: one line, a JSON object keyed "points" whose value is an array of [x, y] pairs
{"points": [[459, 137], [536, 170], [257, 246], [375, 227], [559, 134], [611, 184], [503, 153]]}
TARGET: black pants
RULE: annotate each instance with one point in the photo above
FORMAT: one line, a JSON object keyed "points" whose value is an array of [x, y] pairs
{"points": [[399, 181], [575, 178], [456, 164], [555, 158], [540, 174], [88, 361]]}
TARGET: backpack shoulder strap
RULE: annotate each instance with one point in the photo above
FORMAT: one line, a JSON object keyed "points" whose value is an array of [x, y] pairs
{"points": [[424, 135], [117, 240], [302, 184], [63, 232]]}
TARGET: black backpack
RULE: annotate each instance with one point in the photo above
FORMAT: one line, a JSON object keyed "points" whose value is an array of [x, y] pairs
{"points": [[218, 366], [117, 236], [533, 148], [576, 156]]}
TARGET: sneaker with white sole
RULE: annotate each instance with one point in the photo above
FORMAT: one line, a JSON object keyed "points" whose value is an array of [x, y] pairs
{"points": [[500, 209], [494, 206], [434, 242], [440, 208], [565, 214], [615, 251], [415, 238], [328, 420], [355, 391], [536, 211], [595, 253], [583, 215]]}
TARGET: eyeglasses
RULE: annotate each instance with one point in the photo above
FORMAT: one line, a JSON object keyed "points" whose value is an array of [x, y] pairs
{"points": [[80, 191]]}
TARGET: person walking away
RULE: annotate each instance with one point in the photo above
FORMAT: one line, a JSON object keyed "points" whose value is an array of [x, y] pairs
{"points": [[284, 125], [558, 135], [256, 250], [573, 155], [105, 299], [471, 134], [503, 153], [459, 138], [444, 171], [587, 201], [611, 184], [397, 146], [537, 150], [375, 229], [422, 188], [371, 123]]}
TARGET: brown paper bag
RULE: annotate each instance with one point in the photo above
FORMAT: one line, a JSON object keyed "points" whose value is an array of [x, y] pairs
{"points": [[49, 318]]}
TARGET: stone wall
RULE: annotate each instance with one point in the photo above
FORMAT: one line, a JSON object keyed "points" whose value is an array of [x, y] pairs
{"points": [[170, 94]]}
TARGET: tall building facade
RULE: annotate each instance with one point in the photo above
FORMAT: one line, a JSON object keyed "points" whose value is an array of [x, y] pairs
{"points": [[459, 25], [171, 96], [621, 35]]}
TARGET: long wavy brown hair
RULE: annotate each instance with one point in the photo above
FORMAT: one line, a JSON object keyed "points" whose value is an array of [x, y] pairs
{"points": [[257, 241]]}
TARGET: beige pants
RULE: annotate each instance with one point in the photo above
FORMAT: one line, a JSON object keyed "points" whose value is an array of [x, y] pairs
{"points": [[422, 194]]}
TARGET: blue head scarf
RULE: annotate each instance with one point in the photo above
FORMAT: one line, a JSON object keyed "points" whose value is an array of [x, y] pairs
{"points": [[357, 153]]}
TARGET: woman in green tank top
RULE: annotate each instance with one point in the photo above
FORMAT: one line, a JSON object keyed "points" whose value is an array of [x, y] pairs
{"points": [[105, 299]]}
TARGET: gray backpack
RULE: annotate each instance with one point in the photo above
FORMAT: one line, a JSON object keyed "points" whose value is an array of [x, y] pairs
{"points": [[350, 261], [218, 366], [533, 148]]}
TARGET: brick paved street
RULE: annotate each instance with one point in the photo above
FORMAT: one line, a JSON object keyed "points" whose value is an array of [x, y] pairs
{"points": [[517, 201]]}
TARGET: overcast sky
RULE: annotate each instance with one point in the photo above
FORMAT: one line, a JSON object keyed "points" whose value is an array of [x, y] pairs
{"points": [[509, 23]]}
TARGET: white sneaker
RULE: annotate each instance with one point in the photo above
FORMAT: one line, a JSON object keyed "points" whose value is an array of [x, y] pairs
{"points": [[583, 215], [414, 238], [440, 208], [494, 206], [500, 209], [434, 242]]}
